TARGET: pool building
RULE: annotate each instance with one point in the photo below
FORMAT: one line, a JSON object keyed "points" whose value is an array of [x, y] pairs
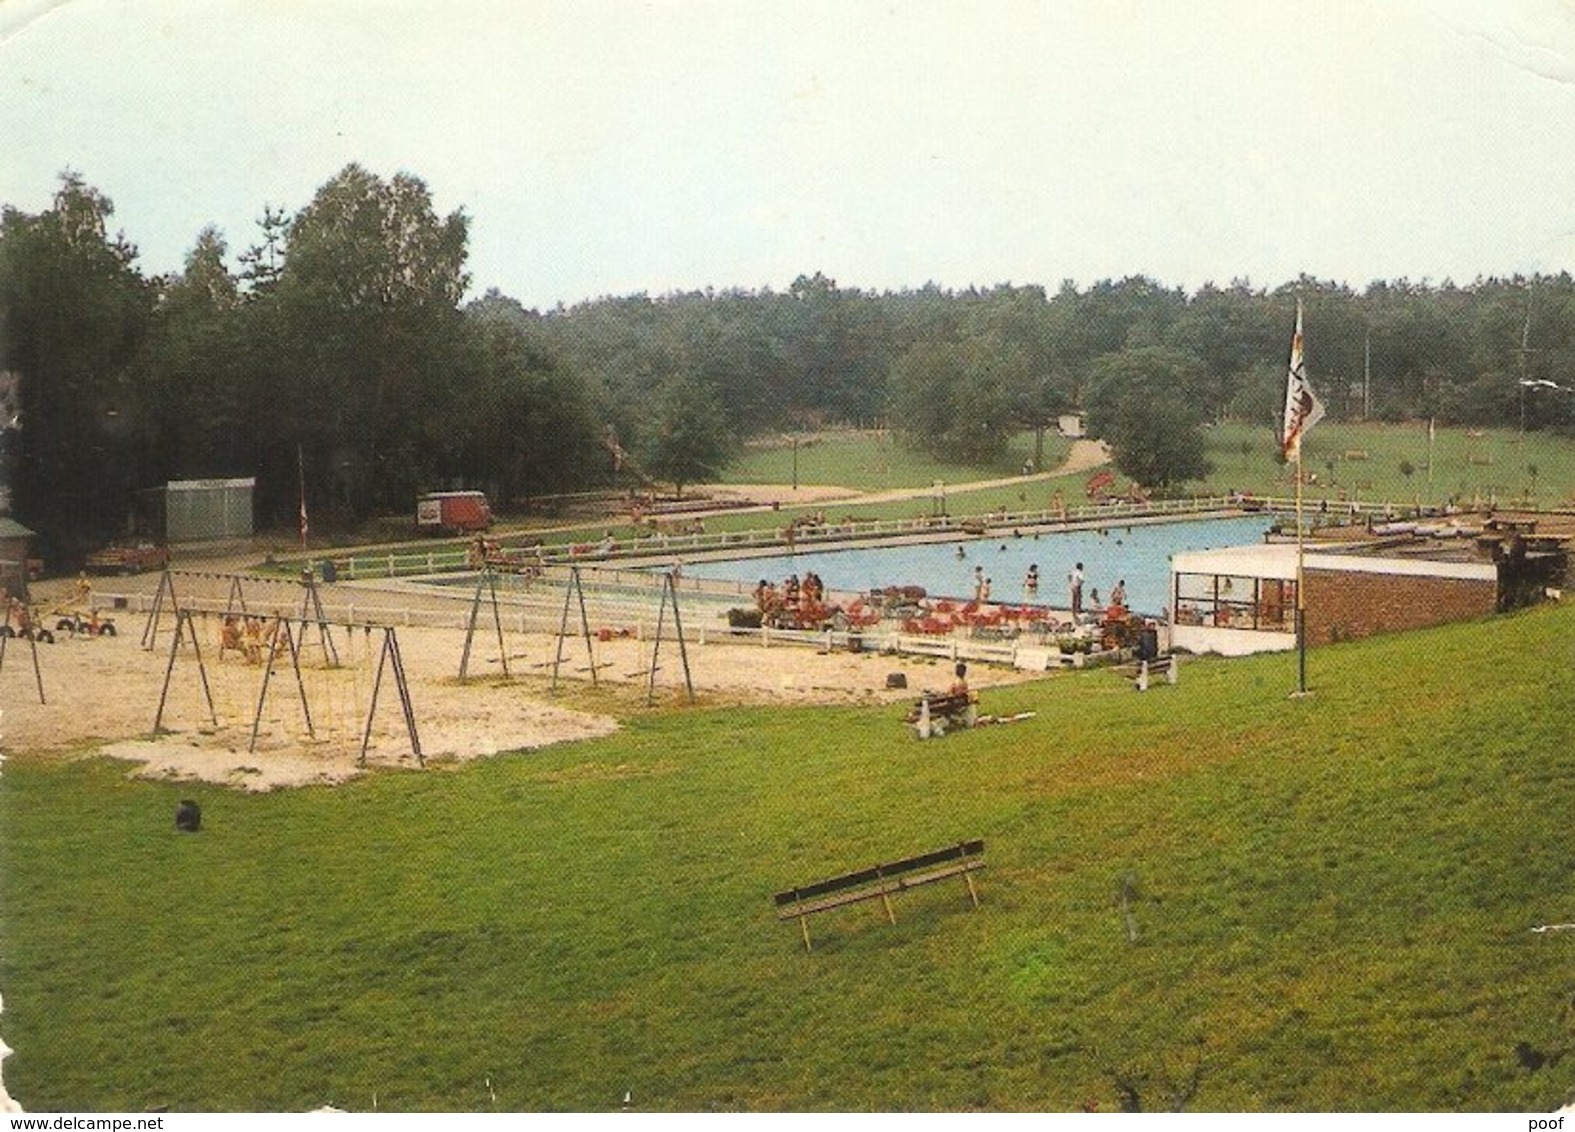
{"points": [[1242, 599]]}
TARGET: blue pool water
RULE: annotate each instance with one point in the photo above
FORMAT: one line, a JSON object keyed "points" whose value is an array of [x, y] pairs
{"points": [[1138, 554]]}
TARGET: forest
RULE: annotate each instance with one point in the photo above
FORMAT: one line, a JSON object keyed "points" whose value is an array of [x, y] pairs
{"points": [[342, 347]]}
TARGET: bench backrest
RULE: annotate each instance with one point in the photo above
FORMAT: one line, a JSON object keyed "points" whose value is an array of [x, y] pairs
{"points": [[876, 873]]}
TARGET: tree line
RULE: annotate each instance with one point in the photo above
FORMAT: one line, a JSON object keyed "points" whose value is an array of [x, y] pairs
{"points": [[338, 350]]}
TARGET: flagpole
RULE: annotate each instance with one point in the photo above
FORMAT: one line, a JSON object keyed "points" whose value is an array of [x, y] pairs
{"points": [[300, 471], [1301, 597], [1302, 411]]}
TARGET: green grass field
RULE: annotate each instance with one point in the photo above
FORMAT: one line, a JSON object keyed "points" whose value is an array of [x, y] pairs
{"points": [[1363, 461], [1471, 469], [1368, 461], [864, 461], [1333, 899]]}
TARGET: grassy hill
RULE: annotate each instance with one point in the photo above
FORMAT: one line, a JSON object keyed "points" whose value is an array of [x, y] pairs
{"points": [[1370, 461], [1332, 899], [870, 461]]}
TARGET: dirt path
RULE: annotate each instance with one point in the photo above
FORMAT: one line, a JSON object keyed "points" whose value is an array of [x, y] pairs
{"points": [[1085, 454]]}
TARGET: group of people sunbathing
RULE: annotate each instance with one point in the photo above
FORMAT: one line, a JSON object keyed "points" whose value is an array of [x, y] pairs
{"points": [[799, 601], [528, 561]]}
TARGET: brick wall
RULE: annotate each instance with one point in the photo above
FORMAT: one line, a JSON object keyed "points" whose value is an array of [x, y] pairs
{"points": [[1342, 605]]}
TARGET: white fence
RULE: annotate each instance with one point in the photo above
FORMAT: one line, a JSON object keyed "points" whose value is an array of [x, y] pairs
{"points": [[625, 600], [629, 614], [775, 539]]}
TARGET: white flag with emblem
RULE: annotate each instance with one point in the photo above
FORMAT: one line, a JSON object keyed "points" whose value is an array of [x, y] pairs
{"points": [[1302, 408]]}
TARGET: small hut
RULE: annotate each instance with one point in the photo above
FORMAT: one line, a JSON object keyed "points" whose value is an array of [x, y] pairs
{"points": [[16, 543], [185, 511]]}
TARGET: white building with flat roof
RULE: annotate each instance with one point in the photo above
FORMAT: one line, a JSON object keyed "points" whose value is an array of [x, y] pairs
{"points": [[1242, 599]]}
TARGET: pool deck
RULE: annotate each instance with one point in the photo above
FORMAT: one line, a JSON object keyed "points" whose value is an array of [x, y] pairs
{"points": [[831, 541]]}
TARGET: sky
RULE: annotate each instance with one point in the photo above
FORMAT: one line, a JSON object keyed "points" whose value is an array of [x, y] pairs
{"points": [[608, 147]]}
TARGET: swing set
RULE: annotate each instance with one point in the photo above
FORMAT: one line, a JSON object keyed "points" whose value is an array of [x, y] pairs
{"points": [[574, 597], [487, 586], [265, 640], [32, 643]]}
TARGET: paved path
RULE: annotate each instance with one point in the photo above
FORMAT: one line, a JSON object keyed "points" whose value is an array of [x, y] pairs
{"points": [[1085, 454]]}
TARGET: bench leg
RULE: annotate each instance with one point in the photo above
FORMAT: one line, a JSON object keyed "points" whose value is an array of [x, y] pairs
{"points": [[803, 925], [968, 880], [890, 915]]}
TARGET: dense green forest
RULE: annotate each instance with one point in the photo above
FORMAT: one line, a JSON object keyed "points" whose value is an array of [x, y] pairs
{"points": [[338, 348]]}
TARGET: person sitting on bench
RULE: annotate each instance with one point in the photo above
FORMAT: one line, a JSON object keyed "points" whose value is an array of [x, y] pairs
{"points": [[960, 685]]}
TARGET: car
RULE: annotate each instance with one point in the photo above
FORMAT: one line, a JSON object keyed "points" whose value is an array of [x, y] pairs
{"points": [[128, 558]]}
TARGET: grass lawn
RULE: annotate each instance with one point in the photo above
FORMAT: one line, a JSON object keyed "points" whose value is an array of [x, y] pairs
{"points": [[1332, 898], [1472, 469], [866, 461], [1368, 460], [1365, 461]]}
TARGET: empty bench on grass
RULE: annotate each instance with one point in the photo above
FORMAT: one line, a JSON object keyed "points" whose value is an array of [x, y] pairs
{"points": [[936, 713], [1159, 667], [881, 882]]}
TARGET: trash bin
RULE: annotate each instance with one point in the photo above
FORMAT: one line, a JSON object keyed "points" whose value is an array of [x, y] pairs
{"points": [[1148, 643], [188, 816], [330, 571]]}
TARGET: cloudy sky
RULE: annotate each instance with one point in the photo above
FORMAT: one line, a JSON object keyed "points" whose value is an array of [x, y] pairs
{"points": [[612, 146]]}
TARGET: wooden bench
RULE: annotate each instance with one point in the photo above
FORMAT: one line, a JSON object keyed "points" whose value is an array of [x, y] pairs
{"points": [[880, 882], [935, 713], [1165, 666]]}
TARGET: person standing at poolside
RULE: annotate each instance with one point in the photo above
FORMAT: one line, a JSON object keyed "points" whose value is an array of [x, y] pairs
{"points": [[1075, 582]]}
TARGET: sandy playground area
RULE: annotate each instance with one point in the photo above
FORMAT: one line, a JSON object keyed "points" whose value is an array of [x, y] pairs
{"points": [[101, 695]]}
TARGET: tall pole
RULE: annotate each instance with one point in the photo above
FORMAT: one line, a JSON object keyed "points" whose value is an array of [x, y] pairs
{"points": [[1367, 376], [1525, 349], [1432, 423], [300, 471], [1301, 595], [1302, 411]]}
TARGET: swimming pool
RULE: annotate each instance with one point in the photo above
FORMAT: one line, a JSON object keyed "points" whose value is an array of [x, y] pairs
{"points": [[1139, 554]]}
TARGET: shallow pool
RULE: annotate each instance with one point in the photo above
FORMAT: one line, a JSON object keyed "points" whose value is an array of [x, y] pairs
{"points": [[1138, 554]]}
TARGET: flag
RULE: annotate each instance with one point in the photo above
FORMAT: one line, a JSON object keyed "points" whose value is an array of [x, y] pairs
{"points": [[1302, 408], [300, 468]]}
